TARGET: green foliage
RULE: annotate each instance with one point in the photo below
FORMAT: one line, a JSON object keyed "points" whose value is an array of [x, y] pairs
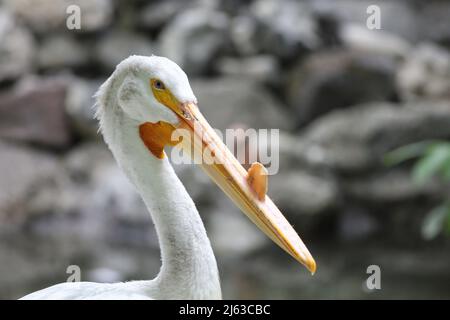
{"points": [[436, 221], [407, 152], [433, 160], [436, 160]]}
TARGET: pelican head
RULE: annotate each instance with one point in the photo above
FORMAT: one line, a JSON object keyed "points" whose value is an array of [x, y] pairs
{"points": [[151, 88], [154, 93]]}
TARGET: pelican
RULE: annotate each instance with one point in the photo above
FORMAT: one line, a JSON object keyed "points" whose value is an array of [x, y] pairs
{"points": [[140, 106]]}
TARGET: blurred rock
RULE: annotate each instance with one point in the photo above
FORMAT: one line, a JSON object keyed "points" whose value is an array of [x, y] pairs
{"points": [[356, 224], [414, 21], [328, 29], [35, 112], [232, 234], [262, 68], [92, 168], [276, 33], [388, 187], [69, 198], [96, 15], [156, 14], [16, 48], [111, 202], [229, 101], [356, 139], [434, 21], [397, 17], [117, 45], [33, 263], [92, 200], [425, 73], [80, 107], [194, 38], [337, 79], [61, 51], [358, 37], [343, 157], [244, 34], [48, 15], [301, 193], [24, 171]]}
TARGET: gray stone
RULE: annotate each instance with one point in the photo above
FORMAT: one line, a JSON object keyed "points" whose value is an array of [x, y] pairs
{"points": [[117, 46], [91, 199], [23, 172], [155, 15], [80, 107], [425, 73], [356, 224], [232, 233], [96, 15], [35, 112], [343, 156], [262, 68], [244, 35], [413, 21], [359, 37], [16, 48], [106, 189], [61, 51], [338, 79], [48, 15], [389, 187], [397, 17], [112, 209], [356, 139], [434, 21], [194, 38], [276, 33], [301, 193], [230, 102]]}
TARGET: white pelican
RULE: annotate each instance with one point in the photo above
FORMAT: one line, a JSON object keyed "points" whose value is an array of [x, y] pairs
{"points": [[139, 106]]}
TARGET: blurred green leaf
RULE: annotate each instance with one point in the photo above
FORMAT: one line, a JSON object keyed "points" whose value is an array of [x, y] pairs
{"points": [[433, 158], [434, 222], [436, 159], [446, 171], [407, 152]]}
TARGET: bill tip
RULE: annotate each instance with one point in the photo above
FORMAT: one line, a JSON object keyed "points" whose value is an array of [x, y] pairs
{"points": [[312, 267]]}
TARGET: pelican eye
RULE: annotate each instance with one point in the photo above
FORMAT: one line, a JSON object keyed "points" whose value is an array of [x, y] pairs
{"points": [[158, 84]]}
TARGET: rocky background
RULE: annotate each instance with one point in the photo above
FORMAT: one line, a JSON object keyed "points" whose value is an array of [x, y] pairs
{"points": [[342, 95]]}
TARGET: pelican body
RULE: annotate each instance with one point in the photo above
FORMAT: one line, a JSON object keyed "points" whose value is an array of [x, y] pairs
{"points": [[139, 107]]}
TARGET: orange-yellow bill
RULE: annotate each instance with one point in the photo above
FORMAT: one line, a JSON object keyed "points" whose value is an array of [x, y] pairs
{"points": [[246, 189], [226, 171]]}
